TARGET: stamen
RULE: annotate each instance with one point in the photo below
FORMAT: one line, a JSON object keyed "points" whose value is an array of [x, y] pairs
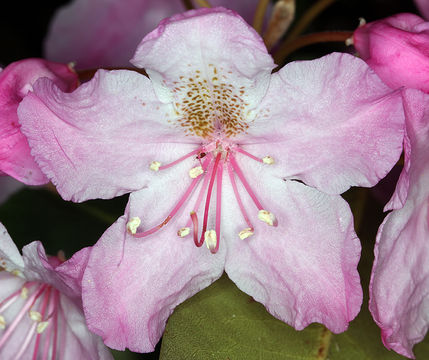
{"points": [[245, 233], [267, 217], [244, 182], [163, 167], [237, 196], [26, 342], [194, 219], [42, 311], [30, 302], [202, 192], [244, 152], [2, 323], [268, 160], [35, 316], [175, 209], [263, 214], [24, 292], [196, 171], [42, 326], [55, 320], [183, 232], [133, 224], [210, 239], [209, 194], [154, 165], [218, 205]]}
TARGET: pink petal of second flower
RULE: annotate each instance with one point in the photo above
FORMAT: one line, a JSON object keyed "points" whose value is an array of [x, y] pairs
{"points": [[305, 269], [15, 82], [99, 141], [110, 37], [10, 258], [399, 298], [397, 49], [329, 122], [66, 276]]}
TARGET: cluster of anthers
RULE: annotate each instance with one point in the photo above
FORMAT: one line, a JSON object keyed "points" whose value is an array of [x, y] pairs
{"points": [[40, 302], [212, 159]]}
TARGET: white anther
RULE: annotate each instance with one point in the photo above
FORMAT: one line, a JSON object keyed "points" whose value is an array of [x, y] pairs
{"points": [[266, 217], [35, 316], [362, 21], [210, 239], [42, 326], [154, 165], [349, 41], [244, 234], [268, 160], [196, 171], [2, 323], [24, 293], [133, 224], [183, 232], [18, 273]]}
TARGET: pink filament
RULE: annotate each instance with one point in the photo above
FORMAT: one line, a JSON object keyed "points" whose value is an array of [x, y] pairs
{"points": [[201, 193], [218, 205], [240, 150], [48, 333], [55, 321], [209, 194], [237, 196], [176, 208], [180, 159], [26, 341], [42, 312], [11, 298], [30, 302], [244, 182], [194, 220]]}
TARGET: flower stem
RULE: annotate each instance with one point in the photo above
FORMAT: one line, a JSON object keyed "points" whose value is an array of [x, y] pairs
{"points": [[258, 19], [288, 47], [203, 3], [188, 4], [308, 17]]}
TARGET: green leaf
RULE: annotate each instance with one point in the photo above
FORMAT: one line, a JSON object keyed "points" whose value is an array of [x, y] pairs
{"points": [[221, 322]]}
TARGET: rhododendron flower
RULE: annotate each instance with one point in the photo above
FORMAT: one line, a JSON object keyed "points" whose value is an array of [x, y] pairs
{"points": [[16, 81], [218, 150], [397, 49], [399, 299], [100, 33], [41, 314]]}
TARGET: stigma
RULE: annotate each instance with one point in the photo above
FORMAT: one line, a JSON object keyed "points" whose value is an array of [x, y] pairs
{"points": [[211, 161]]}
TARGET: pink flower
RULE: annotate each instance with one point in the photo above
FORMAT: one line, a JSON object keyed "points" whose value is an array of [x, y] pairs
{"points": [[399, 287], [397, 49], [100, 33], [16, 81], [213, 133], [40, 305]]}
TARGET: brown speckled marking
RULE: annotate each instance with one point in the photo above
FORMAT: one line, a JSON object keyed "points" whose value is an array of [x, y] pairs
{"points": [[206, 105]]}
